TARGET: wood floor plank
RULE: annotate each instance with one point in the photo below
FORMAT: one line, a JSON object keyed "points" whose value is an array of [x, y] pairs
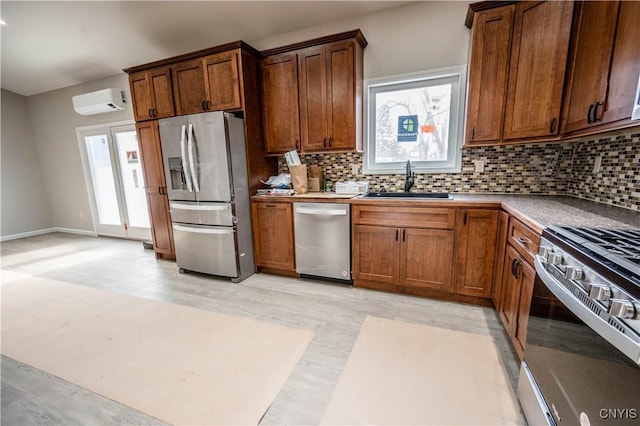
{"points": [[334, 312]]}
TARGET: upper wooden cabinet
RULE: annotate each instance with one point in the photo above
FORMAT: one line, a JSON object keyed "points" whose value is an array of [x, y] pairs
{"points": [[489, 70], [539, 49], [605, 65], [151, 94], [312, 95], [210, 83], [280, 103]]}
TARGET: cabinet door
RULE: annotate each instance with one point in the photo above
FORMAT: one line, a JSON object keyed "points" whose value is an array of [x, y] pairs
{"points": [[527, 276], [273, 235], [151, 94], [222, 81], [141, 96], [341, 96], [510, 291], [188, 87], [376, 254], [501, 246], [280, 103], [476, 249], [152, 166], [596, 21], [537, 68], [488, 72], [426, 258], [625, 65], [312, 73]]}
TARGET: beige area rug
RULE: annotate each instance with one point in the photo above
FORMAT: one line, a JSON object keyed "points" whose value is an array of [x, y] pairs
{"points": [[400, 373], [179, 364]]}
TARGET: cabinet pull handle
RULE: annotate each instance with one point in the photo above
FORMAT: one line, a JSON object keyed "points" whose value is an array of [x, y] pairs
{"points": [[515, 266], [589, 112], [297, 144], [160, 190], [464, 218], [524, 241], [473, 133], [397, 230], [330, 137], [270, 205], [204, 105], [552, 125], [324, 142], [404, 234], [595, 111]]}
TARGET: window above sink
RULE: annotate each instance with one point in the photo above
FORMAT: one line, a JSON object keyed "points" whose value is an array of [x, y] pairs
{"points": [[417, 117]]}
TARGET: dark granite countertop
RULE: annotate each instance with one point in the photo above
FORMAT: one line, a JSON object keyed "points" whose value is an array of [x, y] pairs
{"points": [[540, 211]]}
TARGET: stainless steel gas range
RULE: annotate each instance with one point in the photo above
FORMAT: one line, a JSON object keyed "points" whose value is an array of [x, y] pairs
{"points": [[582, 359]]}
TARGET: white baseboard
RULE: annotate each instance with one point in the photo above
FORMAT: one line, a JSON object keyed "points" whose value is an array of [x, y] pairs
{"points": [[47, 231]]}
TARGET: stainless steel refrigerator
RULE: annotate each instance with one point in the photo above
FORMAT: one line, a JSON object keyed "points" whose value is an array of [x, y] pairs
{"points": [[207, 184]]}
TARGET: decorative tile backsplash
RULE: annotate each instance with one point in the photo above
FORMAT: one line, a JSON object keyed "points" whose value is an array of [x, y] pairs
{"points": [[548, 168], [616, 180]]}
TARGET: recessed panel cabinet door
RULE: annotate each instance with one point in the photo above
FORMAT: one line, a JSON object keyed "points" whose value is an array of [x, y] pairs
{"points": [[188, 87], [488, 71], [222, 81], [152, 94], [280, 103], [341, 96], [158, 202], [312, 73], [426, 258], [590, 68], [273, 235], [537, 69], [376, 254]]}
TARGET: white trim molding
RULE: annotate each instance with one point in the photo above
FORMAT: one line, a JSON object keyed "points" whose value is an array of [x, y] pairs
{"points": [[47, 231]]}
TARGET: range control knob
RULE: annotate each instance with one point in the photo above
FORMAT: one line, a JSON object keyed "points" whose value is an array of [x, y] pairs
{"points": [[554, 258], [573, 273], [600, 292], [624, 309], [544, 251]]}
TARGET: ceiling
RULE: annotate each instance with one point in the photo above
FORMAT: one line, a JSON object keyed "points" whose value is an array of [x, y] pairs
{"points": [[47, 45]]}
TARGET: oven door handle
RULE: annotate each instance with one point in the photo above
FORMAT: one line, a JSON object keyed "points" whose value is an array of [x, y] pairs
{"points": [[627, 344]]}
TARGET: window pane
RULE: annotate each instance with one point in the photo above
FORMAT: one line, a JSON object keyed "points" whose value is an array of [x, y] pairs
{"points": [[132, 178], [412, 124], [102, 177]]}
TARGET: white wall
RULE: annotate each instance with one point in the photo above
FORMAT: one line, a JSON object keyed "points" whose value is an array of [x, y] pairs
{"points": [[24, 201], [408, 38], [54, 123], [414, 37]]}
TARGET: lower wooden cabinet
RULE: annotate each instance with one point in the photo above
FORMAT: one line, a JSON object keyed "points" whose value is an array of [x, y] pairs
{"points": [[273, 235], [403, 256], [518, 279], [427, 251], [155, 185], [501, 247], [476, 249]]}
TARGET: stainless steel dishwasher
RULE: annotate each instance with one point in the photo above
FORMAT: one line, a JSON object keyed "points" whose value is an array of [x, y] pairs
{"points": [[323, 240]]}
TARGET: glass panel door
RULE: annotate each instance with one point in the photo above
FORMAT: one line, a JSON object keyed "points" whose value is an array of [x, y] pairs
{"points": [[132, 178], [117, 181]]}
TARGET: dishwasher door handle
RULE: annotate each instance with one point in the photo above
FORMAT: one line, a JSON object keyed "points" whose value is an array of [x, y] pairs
{"points": [[321, 212]]}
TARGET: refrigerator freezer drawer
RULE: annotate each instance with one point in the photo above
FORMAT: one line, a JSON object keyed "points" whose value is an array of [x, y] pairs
{"points": [[217, 214], [207, 249]]}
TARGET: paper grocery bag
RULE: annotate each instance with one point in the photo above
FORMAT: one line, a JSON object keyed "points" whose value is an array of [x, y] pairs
{"points": [[299, 178]]}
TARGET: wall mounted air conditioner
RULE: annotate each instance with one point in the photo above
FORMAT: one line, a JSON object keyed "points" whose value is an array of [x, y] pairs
{"points": [[104, 100]]}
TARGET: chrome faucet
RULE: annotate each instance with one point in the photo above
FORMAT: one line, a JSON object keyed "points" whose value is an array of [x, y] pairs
{"points": [[409, 179]]}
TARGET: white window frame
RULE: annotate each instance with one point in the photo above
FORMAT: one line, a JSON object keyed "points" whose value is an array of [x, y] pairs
{"points": [[457, 76]]}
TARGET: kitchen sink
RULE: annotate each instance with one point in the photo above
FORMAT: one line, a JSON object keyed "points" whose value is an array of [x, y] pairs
{"points": [[430, 195]]}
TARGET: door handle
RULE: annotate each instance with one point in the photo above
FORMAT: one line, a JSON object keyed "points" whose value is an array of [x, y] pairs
{"points": [[183, 154], [192, 159]]}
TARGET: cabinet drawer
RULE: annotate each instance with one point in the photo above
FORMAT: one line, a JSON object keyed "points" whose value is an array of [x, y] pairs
{"points": [[408, 217], [523, 239]]}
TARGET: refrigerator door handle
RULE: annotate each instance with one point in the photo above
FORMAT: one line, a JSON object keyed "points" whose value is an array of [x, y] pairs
{"points": [[192, 160], [183, 154], [217, 231]]}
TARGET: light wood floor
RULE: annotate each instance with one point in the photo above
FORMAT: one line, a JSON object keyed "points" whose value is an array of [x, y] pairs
{"points": [[334, 312]]}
